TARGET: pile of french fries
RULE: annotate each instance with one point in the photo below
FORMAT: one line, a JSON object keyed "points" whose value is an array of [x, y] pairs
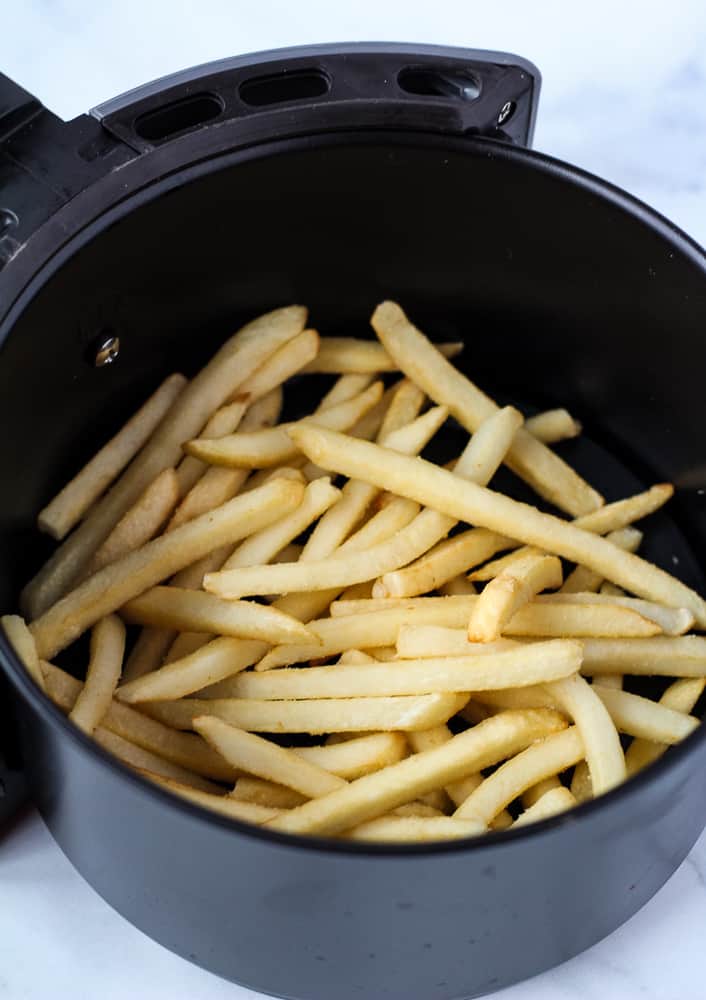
{"points": [[335, 636]]}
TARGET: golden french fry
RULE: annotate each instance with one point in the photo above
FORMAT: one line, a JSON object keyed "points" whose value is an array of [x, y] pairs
{"points": [[684, 656], [76, 498], [358, 755], [535, 792], [213, 662], [22, 641], [225, 420], [114, 585], [376, 794], [553, 802], [681, 696], [604, 754], [441, 564], [184, 750], [171, 607], [328, 715], [583, 580], [187, 643], [103, 674], [138, 524], [552, 426], [148, 652], [286, 361], [264, 759], [422, 481], [549, 756], [208, 390], [533, 664], [274, 446], [612, 680], [348, 354], [417, 357], [226, 805], [672, 621], [581, 787], [647, 719], [415, 829], [140, 759], [508, 593]]}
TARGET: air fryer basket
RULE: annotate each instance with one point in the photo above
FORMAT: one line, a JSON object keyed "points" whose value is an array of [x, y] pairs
{"points": [[370, 172]]}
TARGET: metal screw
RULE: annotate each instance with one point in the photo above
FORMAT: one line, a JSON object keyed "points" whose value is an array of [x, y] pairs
{"points": [[107, 351], [506, 112], [8, 220]]}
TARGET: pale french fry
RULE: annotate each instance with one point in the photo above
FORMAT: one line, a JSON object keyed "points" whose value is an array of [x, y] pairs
{"points": [[348, 354], [247, 812], [353, 656], [225, 420], [419, 359], [286, 361], [518, 698], [612, 680], [478, 462], [138, 524], [264, 759], [274, 446], [358, 591], [376, 794], [265, 793], [581, 787], [458, 587], [345, 387], [416, 809], [208, 390], [535, 792], [553, 802], [140, 759], [552, 426], [404, 408], [114, 585], [102, 676], [148, 652], [368, 427], [457, 791], [672, 621], [550, 756], [681, 696], [533, 664], [495, 567], [76, 498], [415, 829], [647, 719], [289, 553], [415, 641], [213, 662], [171, 607], [441, 564], [358, 755], [611, 589], [185, 644], [184, 750], [263, 546], [604, 754], [330, 715], [422, 481], [583, 580], [684, 656], [508, 593], [22, 641]]}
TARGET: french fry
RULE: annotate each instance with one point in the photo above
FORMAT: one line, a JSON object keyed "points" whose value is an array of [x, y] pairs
{"points": [[552, 426], [581, 787], [345, 387], [138, 524], [416, 641], [114, 585], [183, 750], [649, 720], [550, 756], [540, 467], [376, 794], [265, 793], [553, 802], [458, 587], [77, 497], [539, 662], [102, 676], [225, 420], [495, 567], [681, 696], [274, 446], [457, 791], [441, 564], [357, 756], [604, 754], [148, 652], [583, 580], [330, 715], [405, 405], [246, 812], [415, 829], [426, 483], [264, 759], [214, 661], [535, 793], [348, 354], [684, 656], [22, 641], [140, 759], [208, 390], [286, 361], [171, 607], [611, 589], [672, 621], [352, 656], [509, 592], [416, 809]]}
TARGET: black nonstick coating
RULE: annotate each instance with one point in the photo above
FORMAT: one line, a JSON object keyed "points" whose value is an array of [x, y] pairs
{"points": [[565, 293]]}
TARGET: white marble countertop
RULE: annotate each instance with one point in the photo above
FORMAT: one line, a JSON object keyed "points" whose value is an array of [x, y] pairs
{"points": [[624, 96]]}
